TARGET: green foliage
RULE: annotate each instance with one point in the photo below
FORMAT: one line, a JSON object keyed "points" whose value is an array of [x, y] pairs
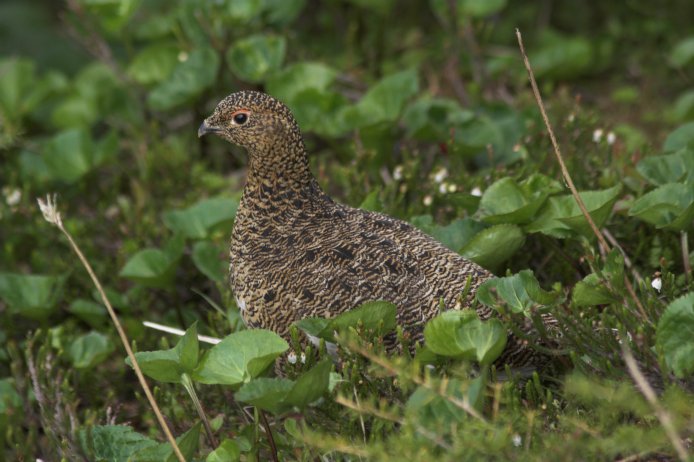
{"points": [[461, 334], [674, 336], [376, 318], [240, 357]]}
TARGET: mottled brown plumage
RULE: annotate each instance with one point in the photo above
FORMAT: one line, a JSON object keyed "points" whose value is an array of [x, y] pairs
{"points": [[297, 253]]}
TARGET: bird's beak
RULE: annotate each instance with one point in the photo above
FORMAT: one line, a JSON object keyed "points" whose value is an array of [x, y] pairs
{"points": [[205, 128]]}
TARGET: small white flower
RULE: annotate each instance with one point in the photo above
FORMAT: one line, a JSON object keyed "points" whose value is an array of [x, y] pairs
{"points": [[597, 135], [611, 138], [657, 284], [571, 117], [476, 191], [452, 188], [291, 357], [440, 175], [443, 188], [303, 358], [183, 56], [517, 440], [427, 201], [12, 196], [397, 173]]}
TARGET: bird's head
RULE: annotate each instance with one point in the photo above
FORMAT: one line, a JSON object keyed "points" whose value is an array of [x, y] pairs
{"points": [[252, 120]]}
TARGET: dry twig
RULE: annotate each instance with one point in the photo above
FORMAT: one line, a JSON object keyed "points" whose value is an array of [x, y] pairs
{"points": [[51, 214], [604, 246]]}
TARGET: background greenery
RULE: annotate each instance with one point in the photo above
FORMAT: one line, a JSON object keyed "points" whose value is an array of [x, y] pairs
{"points": [[418, 109]]}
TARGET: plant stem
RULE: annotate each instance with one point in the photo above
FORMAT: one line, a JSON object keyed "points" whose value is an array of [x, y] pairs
{"points": [[684, 239], [604, 246], [271, 440], [51, 214], [190, 388]]}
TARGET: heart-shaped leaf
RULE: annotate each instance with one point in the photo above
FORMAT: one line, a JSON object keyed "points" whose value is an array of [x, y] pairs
{"points": [[675, 335], [240, 357]]}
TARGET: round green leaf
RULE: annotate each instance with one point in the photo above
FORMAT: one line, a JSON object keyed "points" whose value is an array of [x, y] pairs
{"points": [[190, 78], [206, 257], [89, 350], [492, 246], [675, 335], [254, 57], [240, 357]]}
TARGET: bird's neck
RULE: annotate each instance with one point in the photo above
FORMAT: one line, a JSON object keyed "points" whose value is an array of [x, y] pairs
{"points": [[281, 173]]}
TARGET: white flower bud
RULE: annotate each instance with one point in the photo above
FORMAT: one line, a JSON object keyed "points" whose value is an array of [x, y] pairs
{"points": [[657, 284]]}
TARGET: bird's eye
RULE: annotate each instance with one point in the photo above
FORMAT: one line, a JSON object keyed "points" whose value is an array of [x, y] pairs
{"points": [[240, 117]]}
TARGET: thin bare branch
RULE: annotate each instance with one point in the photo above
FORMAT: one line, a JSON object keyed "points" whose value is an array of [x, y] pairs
{"points": [[50, 212], [604, 246]]}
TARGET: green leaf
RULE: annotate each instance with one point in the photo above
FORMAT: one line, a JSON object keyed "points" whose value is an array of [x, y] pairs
{"points": [[278, 395], [169, 365], [431, 119], [32, 296], [88, 311], [440, 333], [462, 334], [561, 57], [592, 291], [683, 53], [68, 155], [457, 233], [242, 11], [154, 63], [675, 335], [294, 79], [282, 12], [311, 385], [375, 317], [671, 168], [492, 246], [680, 138], [506, 201], [188, 80], [187, 443], [151, 267], [384, 101], [669, 206], [253, 58], [266, 393], [240, 357], [89, 350], [519, 293], [227, 451], [206, 258], [199, 220], [562, 218], [114, 443]]}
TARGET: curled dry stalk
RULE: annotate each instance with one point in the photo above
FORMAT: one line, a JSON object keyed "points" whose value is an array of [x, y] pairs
{"points": [[604, 246], [50, 214]]}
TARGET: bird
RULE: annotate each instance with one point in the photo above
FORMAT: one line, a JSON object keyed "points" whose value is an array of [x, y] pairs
{"points": [[296, 253]]}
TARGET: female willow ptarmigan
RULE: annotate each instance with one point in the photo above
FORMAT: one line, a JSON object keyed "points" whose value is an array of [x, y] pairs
{"points": [[296, 253]]}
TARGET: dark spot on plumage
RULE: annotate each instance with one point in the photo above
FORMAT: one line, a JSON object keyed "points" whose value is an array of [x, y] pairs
{"points": [[269, 296], [297, 203], [308, 295], [343, 252], [309, 255]]}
